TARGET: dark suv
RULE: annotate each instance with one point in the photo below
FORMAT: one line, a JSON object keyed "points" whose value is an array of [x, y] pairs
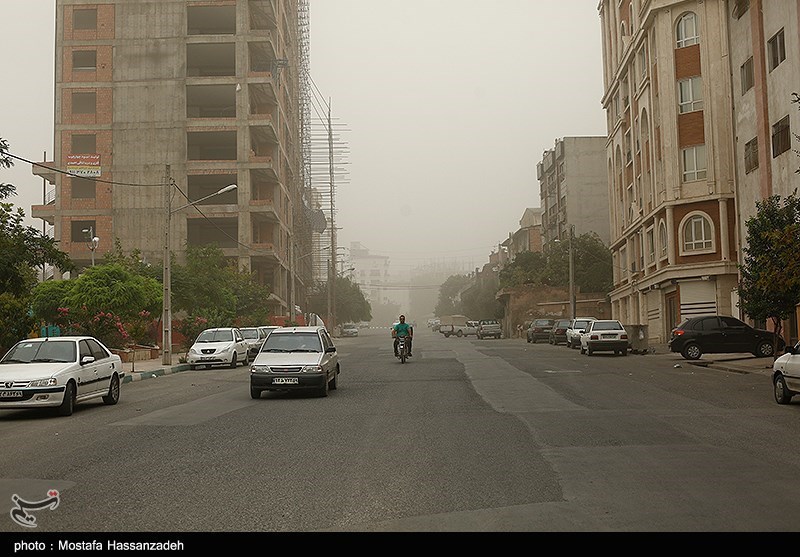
{"points": [[722, 334]]}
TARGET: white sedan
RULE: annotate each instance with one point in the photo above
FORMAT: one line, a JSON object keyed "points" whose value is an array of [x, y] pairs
{"points": [[786, 375], [59, 372], [223, 345]]}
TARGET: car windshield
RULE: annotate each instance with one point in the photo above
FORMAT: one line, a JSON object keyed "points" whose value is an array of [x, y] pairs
{"points": [[564, 323], [581, 324], [607, 326], [292, 342], [250, 333], [26, 352], [542, 323], [216, 335]]}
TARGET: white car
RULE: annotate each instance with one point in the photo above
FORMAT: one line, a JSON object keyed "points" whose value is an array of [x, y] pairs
{"points": [[255, 337], [605, 335], [576, 327], [786, 375], [58, 372], [220, 346]]}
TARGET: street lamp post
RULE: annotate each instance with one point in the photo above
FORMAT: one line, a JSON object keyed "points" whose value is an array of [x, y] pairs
{"points": [[94, 241], [166, 318], [571, 272]]}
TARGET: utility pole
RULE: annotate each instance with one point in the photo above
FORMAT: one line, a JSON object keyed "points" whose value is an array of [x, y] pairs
{"points": [[571, 272], [166, 317], [332, 288]]}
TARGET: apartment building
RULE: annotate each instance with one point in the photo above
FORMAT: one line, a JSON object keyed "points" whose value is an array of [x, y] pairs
{"points": [[573, 189], [158, 106], [764, 38], [670, 161], [528, 237]]}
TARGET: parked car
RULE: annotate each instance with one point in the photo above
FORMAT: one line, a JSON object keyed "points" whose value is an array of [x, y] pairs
{"points": [[722, 334], [539, 329], [489, 328], [296, 358], [558, 333], [268, 328], [220, 346], [576, 327], [349, 330], [786, 375], [605, 335], [255, 337], [59, 372]]}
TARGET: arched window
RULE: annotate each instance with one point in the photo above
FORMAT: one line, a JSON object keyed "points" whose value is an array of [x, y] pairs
{"points": [[697, 233], [686, 31], [662, 239]]}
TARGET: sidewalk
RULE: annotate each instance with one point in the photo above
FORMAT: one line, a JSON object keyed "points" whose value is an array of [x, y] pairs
{"points": [[737, 363], [147, 369]]}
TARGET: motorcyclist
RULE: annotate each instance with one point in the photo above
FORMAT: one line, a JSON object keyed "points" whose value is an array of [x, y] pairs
{"points": [[402, 329]]}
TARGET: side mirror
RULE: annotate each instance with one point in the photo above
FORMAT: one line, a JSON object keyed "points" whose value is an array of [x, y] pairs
{"points": [[87, 360]]}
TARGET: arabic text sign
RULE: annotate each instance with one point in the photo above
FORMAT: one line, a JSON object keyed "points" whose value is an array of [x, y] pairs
{"points": [[86, 165]]}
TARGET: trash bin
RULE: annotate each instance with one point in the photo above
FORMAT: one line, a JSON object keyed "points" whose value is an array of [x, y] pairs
{"points": [[637, 338]]}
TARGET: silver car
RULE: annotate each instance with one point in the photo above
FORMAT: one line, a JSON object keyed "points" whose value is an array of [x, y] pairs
{"points": [[255, 337], [59, 372], [296, 358]]}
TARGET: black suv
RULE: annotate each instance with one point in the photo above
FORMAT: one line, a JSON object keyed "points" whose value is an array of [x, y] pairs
{"points": [[722, 334]]}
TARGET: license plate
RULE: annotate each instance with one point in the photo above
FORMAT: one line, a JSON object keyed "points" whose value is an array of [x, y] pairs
{"points": [[10, 394], [285, 381], [609, 336], [206, 358]]}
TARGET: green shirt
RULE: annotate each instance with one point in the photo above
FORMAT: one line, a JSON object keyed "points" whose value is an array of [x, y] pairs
{"points": [[402, 329]]}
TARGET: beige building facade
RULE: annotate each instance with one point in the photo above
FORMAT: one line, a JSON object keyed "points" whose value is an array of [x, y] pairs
{"points": [[164, 104], [670, 161]]}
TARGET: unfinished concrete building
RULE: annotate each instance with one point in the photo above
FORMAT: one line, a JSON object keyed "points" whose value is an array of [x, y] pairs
{"points": [[158, 106]]}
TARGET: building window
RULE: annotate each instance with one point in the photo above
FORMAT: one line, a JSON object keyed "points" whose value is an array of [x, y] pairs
{"points": [[643, 62], [83, 188], [777, 50], [686, 31], [781, 139], [83, 144], [83, 20], [662, 239], [697, 233], [694, 163], [81, 230], [690, 94], [751, 155], [84, 103], [651, 246], [84, 60], [740, 7], [747, 75]]}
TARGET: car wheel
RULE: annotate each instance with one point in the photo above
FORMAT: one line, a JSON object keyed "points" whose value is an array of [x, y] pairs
{"points": [[246, 361], [68, 404], [333, 384], [113, 391], [782, 393], [764, 349], [323, 390], [460, 333], [624, 352], [691, 351], [255, 393], [233, 360]]}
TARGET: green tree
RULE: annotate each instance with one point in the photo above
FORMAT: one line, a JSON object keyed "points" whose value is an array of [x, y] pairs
{"points": [[23, 249], [769, 285], [351, 304], [480, 302], [449, 302]]}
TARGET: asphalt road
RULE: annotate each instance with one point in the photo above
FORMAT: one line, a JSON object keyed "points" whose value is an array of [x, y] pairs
{"points": [[468, 436]]}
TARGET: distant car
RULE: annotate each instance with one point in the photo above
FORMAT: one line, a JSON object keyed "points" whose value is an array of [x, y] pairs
{"points": [[540, 329], [489, 328], [786, 375], [576, 327], [722, 334], [220, 346], [255, 337], [350, 330], [605, 335], [296, 358], [59, 372], [558, 333]]}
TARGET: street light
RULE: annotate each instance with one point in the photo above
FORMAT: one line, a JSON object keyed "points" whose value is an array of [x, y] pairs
{"points": [[94, 241], [166, 318]]}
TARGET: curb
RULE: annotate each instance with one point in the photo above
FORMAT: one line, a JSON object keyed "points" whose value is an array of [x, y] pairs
{"points": [[141, 375]]}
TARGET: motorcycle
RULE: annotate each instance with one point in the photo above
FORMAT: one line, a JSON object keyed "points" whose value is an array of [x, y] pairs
{"points": [[402, 349]]}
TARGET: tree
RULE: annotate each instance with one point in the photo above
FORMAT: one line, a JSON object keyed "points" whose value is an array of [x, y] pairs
{"points": [[449, 301], [351, 304], [23, 249], [769, 287]]}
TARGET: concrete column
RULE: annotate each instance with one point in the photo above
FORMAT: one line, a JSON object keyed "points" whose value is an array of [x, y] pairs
{"points": [[671, 235], [724, 237]]}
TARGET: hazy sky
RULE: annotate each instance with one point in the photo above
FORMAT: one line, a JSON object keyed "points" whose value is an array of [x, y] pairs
{"points": [[448, 104]]}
